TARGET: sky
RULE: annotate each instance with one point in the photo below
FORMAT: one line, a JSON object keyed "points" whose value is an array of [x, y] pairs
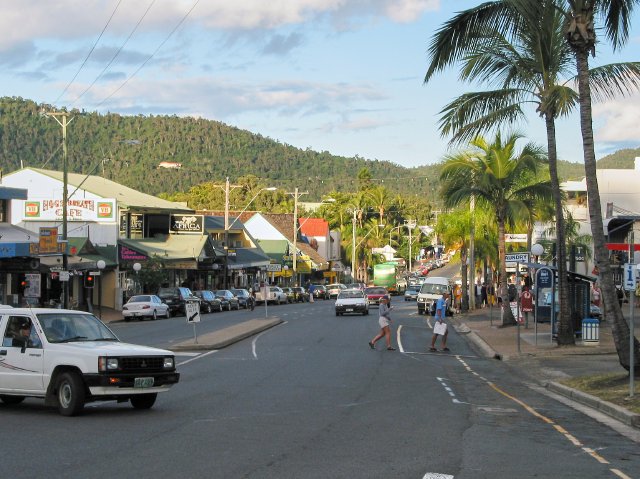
{"points": [[343, 76]]}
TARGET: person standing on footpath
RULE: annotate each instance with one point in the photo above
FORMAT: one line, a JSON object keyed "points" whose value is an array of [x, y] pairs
{"points": [[596, 294], [384, 320], [440, 327]]}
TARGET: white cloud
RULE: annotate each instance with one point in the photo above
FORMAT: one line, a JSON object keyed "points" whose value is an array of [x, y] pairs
{"points": [[221, 98], [617, 120], [30, 20]]}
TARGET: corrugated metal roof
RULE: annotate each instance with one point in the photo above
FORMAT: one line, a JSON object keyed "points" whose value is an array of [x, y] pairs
{"points": [[127, 197]]}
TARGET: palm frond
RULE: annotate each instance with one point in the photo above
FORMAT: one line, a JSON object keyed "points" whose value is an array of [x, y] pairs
{"points": [[608, 81]]}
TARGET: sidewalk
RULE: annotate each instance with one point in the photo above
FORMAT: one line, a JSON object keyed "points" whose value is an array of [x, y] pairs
{"points": [[543, 360]]}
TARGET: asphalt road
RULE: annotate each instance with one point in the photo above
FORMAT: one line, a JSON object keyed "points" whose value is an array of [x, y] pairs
{"points": [[309, 399]]}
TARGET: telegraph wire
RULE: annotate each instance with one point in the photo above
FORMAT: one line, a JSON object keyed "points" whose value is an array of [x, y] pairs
{"points": [[90, 52], [179, 24], [135, 28]]}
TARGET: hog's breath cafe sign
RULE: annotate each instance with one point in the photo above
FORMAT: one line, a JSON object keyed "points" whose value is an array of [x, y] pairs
{"points": [[98, 211]]}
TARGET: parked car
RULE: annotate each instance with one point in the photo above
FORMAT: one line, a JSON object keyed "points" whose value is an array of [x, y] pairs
{"points": [[244, 297], [375, 293], [228, 299], [301, 294], [176, 298], [275, 295], [208, 301], [145, 306], [291, 295], [411, 293], [320, 291], [351, 301], [334, 289], [359, 286]]}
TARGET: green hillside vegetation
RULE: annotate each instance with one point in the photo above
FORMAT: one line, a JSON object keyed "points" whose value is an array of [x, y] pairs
{"points": [[128, 149], [621, 159]]}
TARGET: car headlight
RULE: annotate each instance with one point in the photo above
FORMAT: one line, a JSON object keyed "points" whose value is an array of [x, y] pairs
{"points": [[108, 364], [168, 363]]}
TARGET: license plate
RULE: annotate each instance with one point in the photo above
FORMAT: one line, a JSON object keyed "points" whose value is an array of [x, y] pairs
{"points": [[349, 310], [143, 382]]}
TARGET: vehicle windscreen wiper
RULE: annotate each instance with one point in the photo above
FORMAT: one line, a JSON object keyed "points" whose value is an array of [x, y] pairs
{"points": [[105, 339], [74, 338]]}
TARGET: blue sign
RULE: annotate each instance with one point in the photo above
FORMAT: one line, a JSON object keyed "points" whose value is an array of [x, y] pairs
{"points": [[7, 250], [544, 278]]}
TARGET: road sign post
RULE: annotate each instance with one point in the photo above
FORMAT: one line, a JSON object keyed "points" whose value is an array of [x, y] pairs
{"points": [[192, 310], [630, 273]]}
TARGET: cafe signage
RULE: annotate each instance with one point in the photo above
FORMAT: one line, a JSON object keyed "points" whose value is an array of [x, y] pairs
{"points": [[187, 224], [99, 211]]}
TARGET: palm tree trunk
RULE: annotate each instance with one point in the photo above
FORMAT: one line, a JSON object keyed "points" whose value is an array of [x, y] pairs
{"points": [[507, 315], [612, 310], [463, 274], [565, 323]]}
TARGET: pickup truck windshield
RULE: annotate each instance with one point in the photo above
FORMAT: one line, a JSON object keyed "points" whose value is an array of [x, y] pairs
{"points": [[66, 327], [434, 288]]}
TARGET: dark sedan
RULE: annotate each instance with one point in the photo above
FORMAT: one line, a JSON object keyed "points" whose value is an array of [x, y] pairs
{"points": [[243, 297], [228, 299], [301, 295], [208, 301], [375, 294]]}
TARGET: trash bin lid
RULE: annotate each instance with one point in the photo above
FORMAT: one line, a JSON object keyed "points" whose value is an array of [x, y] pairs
{"points": [[590, 321]]}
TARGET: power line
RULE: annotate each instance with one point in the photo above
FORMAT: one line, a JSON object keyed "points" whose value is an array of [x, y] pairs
{"points": [[90, 52], [152, 55], [135, 28]]}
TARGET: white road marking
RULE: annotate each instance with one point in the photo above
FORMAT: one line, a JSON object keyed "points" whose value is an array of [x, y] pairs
{"points": [[399, 339], [199, 356], [436, 475], [182, 353], [255, 340]]}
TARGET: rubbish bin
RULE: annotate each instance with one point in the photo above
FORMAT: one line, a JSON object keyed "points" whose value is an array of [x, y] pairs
{"points": [[590, 330]]}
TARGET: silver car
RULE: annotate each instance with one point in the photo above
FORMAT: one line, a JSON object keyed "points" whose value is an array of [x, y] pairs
{"points": [[145, 306]]}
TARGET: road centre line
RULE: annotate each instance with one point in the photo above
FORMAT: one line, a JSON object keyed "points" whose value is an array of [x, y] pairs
{"points": [[557, 427]]}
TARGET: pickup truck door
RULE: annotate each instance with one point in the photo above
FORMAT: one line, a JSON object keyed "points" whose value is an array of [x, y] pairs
{"points": [[21, 369]]}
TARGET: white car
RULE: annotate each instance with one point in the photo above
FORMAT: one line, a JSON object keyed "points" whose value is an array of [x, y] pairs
{"points": [[333, 290], [145, 306], [275, 295], [69, 358], [352, 301]]}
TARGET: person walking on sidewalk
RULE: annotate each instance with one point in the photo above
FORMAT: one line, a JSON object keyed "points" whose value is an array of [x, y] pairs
{"points": [[384, 320], [440, 327]]}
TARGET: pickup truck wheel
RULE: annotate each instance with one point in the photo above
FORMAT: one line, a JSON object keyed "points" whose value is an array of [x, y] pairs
{"points": [[71, 394], [143, 401], [11, 399]]}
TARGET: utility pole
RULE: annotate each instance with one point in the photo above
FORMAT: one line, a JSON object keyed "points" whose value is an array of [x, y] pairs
{"points": [[296, 194], [63, 122], [227, 190], [410, 224], [472, 258], [353, 248]]}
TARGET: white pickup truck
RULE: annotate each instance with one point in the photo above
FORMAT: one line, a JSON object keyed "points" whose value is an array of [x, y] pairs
{"points": [[69, 358]]}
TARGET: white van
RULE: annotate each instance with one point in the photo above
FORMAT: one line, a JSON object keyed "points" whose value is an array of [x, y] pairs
{"points": [[431, 291]]}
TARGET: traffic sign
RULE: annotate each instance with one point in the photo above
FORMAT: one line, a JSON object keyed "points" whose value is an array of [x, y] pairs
{"points": [[274, 267], [192, 308], [629, 277]]}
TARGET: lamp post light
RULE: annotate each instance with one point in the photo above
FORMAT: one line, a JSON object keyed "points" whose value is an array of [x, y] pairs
{"points": [[101, 265], [137, 267], [537, 250], [286, 268]]}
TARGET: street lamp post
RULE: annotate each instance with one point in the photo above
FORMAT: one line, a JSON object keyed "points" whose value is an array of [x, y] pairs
{"points": [[296, 194], [101, 265], [410, 225], [137, 267]]}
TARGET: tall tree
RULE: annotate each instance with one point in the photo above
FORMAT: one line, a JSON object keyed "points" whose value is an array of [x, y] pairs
{"points": [[502, 180], [582, 18]]}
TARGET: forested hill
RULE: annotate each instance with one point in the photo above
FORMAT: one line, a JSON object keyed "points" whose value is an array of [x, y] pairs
{"points": [[128, 149]]}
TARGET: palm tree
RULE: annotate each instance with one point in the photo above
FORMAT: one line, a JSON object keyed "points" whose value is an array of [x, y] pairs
{"points": [[519, 46], [581, 37], [526, 66], [379, 198], [502, 180]]}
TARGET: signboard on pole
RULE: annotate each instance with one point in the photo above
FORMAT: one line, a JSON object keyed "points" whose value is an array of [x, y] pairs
{"points": [[274, 268], [629, 277], [515, 237], [192, 309]]}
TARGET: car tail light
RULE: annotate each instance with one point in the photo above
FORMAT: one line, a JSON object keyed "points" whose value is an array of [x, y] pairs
{"points": [[146, 306]]}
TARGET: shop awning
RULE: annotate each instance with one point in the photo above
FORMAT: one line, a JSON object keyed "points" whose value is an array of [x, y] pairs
{"points": [[247, 258], [198, 248]]}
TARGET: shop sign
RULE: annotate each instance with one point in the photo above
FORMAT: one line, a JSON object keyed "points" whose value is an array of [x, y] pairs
{"points": [[99, 211], [136, 223], [33, 290], [127, 254], [187, 224], [48, 243], [8, 250]]}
